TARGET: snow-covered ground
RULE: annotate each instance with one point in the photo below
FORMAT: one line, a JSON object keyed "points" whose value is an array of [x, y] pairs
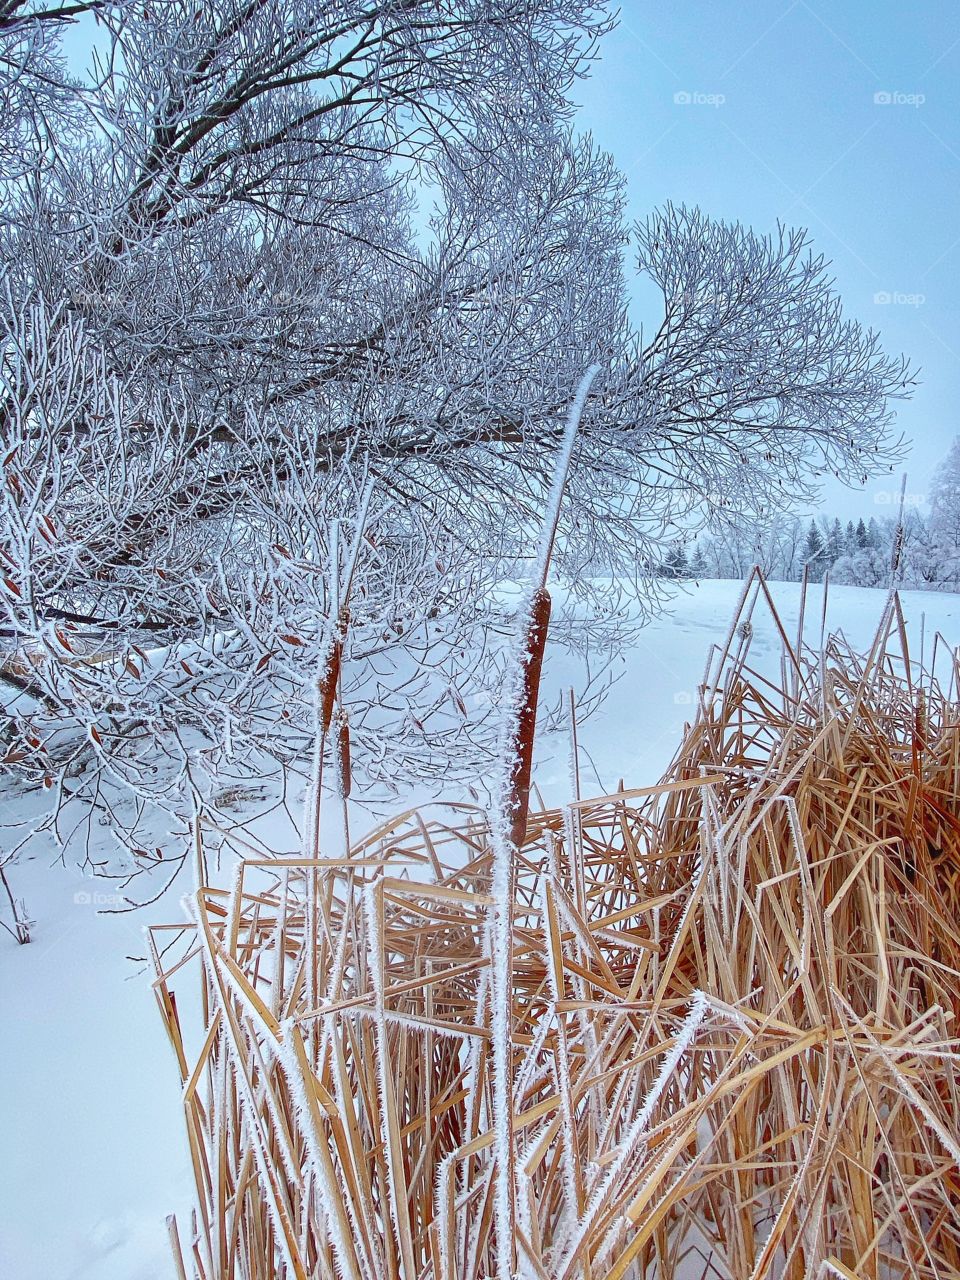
{"points": [[92, 1151]]}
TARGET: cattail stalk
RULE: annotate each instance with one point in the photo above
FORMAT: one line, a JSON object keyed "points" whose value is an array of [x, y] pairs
{"points": [[508, 832]]}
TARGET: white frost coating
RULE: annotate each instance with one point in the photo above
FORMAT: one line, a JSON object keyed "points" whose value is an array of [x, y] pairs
{"points": [[446, 1173], [265, 1053], [311, 835], [573, 756], [218, 1092], [588, 1032], [628, 1145], [551, 516], [502, 993], [803, 866], [233, 909], [524, 1077], [574, 921], [501, 916], [339, 963], [731, 1013], [722, 866], [474, 1222], [243, 998], [412, 1021], [376, 953], [359, 529], [571, 836], [475, 1048], [564, 1073], [252, 1123], [526, 1270], [760, 1267], [906, 1089], [329, 1193]]}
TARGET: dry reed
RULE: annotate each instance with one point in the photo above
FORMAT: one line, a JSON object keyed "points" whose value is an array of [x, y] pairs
{"points": [[734, 1044]]}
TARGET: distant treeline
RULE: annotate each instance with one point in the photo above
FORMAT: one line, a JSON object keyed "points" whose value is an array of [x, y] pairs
{"points": [[924, 545]]}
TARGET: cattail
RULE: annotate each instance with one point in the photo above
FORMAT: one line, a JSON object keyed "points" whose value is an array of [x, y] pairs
{"points": [[898, 536], [331, 675], [343, 753], [535, 643], [535, 639], [920, 721], [897, 549]]}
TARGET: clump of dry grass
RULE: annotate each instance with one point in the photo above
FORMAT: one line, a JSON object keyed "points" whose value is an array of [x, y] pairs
{"points": [[734, 1045]]}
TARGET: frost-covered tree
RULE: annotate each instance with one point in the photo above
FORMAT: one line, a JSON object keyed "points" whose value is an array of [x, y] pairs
{"points": [[867, 567], [293, 312], [774, 542], [922, 563], [945, 515], [781, 544], [38, 97]]}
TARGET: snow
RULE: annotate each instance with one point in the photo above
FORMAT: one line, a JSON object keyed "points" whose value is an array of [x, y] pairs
{"points": [[93, 1150], [94, 1154]]}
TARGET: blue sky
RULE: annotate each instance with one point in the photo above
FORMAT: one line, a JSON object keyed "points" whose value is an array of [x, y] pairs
{"points": [[785, 123]]}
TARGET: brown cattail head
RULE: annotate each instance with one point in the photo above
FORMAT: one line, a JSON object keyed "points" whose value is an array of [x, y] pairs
{"points": [[535, 642], [897, 551], [343, 752], [920, 722], [331, 674]]}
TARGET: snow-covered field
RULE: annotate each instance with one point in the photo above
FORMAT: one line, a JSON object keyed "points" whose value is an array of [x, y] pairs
{"points": [[93, 1153]]}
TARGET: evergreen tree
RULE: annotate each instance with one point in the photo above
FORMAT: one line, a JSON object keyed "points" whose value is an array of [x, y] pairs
{"points": [[676, 564], [698, 563], [835, 544], [863, 538], [850, 539], [813, 552]]}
